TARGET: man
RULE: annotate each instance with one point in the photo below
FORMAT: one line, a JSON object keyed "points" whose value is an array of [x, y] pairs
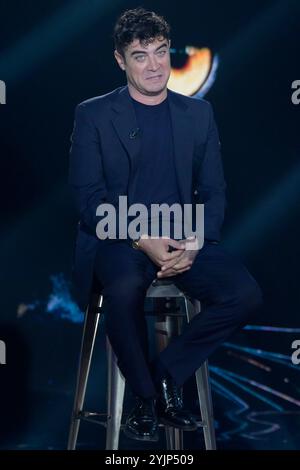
{"points": [[152, 145]]}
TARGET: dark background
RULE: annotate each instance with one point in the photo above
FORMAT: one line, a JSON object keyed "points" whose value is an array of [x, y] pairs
{"points": [[55, 54]]}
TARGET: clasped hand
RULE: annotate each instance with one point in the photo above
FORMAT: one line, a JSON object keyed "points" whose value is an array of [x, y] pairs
{"points": [[179, 260]]}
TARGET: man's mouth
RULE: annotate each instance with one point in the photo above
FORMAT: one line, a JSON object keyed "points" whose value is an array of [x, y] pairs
{"points": [[156, 77]]}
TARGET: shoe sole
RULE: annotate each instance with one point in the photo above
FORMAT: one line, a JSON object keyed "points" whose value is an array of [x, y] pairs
{"points": [[131, 435], [176, 426]]}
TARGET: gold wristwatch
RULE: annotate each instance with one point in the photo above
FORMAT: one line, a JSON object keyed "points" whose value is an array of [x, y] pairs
{"points": [[135, 244]]}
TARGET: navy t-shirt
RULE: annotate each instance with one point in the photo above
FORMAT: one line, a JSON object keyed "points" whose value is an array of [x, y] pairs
{"points": [[156, 181]]}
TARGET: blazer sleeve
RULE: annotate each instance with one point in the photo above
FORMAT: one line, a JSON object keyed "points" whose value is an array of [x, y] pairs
{"points": [[211, 185], [86, 175]]}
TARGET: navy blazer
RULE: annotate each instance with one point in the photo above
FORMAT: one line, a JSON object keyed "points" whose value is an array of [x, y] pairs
{"points": [[104, 159]]}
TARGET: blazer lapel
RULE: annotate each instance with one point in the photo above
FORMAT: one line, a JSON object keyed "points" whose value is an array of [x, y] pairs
{"points": [[183, 139], [125, 124]]}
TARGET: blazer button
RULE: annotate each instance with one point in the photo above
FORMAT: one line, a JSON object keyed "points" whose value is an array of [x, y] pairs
{"points": [[195, 192]]}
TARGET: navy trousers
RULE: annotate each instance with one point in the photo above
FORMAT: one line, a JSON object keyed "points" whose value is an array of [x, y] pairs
{"points": [[228, 293]]}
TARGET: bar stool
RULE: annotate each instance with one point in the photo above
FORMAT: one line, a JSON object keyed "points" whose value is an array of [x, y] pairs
{"points": [[170, 307]]}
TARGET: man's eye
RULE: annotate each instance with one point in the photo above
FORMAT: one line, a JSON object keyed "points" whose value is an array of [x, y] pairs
{"points": [[140, 57], [162, 52]]}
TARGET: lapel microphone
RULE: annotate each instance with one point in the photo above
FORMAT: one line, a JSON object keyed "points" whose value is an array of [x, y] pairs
{"points": [[134, 133]]}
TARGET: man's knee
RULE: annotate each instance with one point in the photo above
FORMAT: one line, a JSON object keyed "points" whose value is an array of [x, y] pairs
{"points": [[244, 297], [249, 298]]}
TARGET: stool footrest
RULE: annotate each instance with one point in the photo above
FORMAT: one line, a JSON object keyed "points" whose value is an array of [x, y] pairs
{"points": [[95, 417]]}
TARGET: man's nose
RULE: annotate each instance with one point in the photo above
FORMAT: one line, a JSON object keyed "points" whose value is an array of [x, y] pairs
{"points": [[153, 63]]}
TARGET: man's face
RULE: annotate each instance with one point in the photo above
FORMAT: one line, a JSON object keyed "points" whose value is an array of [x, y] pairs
{"points": [[147, 67]]}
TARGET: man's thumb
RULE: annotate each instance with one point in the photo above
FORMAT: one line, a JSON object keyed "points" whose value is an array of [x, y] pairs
{"points": [[176, 244]]}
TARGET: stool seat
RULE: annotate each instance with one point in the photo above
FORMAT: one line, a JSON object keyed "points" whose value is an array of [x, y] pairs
{"points": [[163, 288], [162, 282]]}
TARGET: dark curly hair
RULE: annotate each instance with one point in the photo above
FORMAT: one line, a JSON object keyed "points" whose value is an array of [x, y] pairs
{"points": [[139, 24]]}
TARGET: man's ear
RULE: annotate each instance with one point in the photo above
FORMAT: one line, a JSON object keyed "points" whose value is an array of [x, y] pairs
{"points": [[119, 59]]}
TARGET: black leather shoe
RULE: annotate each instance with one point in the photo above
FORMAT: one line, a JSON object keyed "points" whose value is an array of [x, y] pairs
{"points": [[142, 423], [169, 406]]}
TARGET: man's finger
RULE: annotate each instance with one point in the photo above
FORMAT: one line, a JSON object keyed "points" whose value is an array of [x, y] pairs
{"points": [[170, 264], [176, 244], [178, 267], [171, 272], [171, 256]]}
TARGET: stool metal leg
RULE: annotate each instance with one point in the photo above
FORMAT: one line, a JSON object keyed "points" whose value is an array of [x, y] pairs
{"points": [[87, 346], [163, 330], [204, 395], [162, 333], [169, 437], [174, 436], [203, 387], [178, 433], [115, 398], [178, 439]]}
